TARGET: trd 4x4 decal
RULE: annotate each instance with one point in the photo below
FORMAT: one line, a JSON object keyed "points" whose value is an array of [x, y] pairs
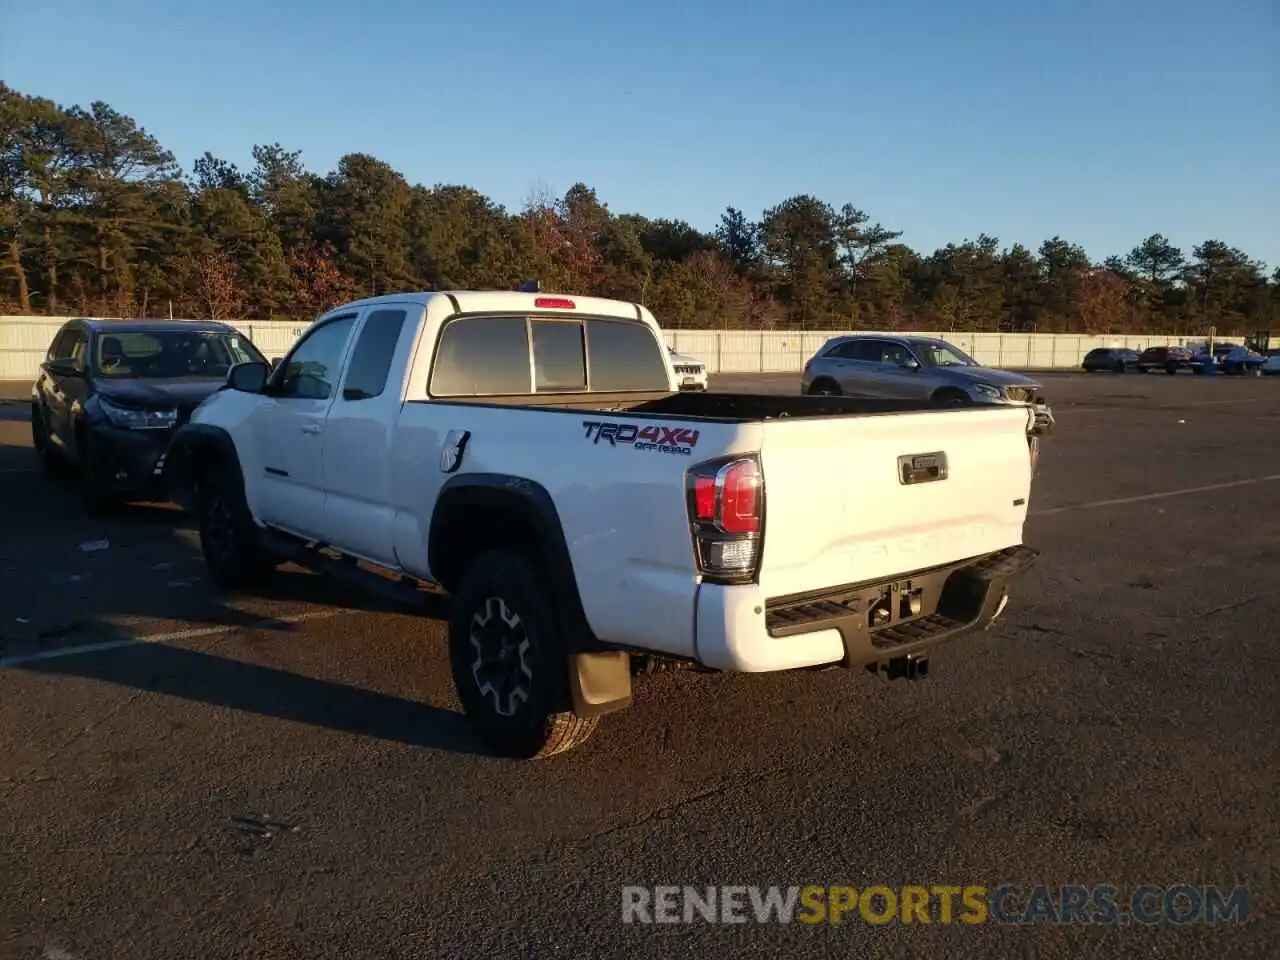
{"points": [[656, 437]]}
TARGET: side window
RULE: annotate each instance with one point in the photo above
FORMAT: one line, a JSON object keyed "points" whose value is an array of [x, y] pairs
{"points": [[625, 355], [892, 352], [55, 349], [311, 369], [76, 346], [482, 356], [559, 358], [69, 345], [846, 351], [371, 359], [868, 351]]}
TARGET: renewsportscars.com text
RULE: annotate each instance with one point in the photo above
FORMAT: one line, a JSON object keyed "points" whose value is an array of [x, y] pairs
{"points": [[1103, 904]]}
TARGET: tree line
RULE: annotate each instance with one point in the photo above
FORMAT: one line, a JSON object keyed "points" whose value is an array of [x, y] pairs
{"points": [[98, 218]]}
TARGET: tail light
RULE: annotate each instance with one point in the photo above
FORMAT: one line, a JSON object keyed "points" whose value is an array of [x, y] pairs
{"points": [[726, 515]]}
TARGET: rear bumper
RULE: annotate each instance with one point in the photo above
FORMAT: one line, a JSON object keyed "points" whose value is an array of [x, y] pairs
{"points": [[857, 624]]}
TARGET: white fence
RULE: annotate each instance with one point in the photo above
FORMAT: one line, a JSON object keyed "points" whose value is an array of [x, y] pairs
{"points": [[25, 340]]}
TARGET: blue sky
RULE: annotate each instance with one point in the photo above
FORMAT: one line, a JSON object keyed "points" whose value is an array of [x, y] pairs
{"points": [[1099, 121]]}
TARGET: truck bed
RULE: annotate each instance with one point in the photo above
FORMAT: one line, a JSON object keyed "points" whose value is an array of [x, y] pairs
{"points": [[744, 407], [720, 407]]}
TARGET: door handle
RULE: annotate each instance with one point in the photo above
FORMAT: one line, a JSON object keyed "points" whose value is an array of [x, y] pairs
{"points": [[311, 428]]}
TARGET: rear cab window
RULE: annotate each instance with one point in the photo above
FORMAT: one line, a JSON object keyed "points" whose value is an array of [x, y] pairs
{"points": [[624, 356], [559, 356], [489, 356]]}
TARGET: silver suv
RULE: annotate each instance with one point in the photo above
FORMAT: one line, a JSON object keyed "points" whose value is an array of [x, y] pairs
{"points": [[914, 368]]}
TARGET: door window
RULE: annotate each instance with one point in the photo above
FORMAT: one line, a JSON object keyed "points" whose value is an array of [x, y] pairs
{"points": [[75, 347], [892, 353], [866, 351], [846, 351], [311, 369], [61, 344]]}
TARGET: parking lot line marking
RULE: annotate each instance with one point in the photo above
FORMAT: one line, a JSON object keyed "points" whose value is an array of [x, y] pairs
{"points": [[1067, 409], [1143, 498], [194, 633]]}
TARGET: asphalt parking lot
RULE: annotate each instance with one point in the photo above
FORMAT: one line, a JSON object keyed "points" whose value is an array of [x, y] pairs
{"points": [[184, 774]]}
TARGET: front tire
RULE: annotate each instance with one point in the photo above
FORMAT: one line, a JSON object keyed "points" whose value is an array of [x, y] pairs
{"points": [[509, 668], [51, 465], [824, 388], [97, 498], [228, 535]]}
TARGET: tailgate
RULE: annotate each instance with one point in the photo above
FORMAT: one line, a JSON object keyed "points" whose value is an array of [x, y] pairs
{"points": [[837, 509]]}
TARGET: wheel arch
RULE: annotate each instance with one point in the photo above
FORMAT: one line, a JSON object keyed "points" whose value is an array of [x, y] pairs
{"points": [[477, 512], [948, 392], [192, 451]]}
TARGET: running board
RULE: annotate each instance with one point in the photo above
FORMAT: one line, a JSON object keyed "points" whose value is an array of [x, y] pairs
{"points": [[323, 559]]}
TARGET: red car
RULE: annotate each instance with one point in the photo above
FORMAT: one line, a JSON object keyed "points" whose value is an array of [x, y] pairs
{"points": [[1168, 359]]}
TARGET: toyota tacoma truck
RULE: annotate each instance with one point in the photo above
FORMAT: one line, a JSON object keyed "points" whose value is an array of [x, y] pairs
{"points": [[533, 459]]}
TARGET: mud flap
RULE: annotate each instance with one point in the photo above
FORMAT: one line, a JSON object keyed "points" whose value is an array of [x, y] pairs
{"points": [[599, 683]]}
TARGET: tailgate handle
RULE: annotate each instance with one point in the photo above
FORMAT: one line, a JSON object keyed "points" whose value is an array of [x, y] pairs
{"points": [[922, 467]]}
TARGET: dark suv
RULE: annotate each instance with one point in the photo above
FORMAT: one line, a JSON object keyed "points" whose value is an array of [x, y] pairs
{"points": [[1168, 359], [1114, 359], [111, 393]]}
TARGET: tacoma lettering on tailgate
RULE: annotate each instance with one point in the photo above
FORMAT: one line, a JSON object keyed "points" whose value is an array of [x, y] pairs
{"points": [[656, 437]]}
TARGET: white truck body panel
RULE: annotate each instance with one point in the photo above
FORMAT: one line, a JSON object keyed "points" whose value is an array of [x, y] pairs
{"points": [[622, 509], [837, 512], [364, 477]]}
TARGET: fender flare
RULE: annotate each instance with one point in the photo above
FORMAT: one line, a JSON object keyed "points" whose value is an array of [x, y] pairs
{"points": [[188, 443], [528, 498]]}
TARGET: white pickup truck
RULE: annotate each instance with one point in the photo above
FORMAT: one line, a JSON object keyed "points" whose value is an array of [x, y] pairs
{"points": [[533, 457]]}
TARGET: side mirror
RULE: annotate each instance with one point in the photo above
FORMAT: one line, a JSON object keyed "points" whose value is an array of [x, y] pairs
{"points": [[275, 362], [909, 363], [64, 367], [248, 377]]}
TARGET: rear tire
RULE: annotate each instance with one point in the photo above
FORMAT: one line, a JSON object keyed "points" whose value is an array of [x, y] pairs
{"points": [[228, 535], [1171, 369], [509, 667]]}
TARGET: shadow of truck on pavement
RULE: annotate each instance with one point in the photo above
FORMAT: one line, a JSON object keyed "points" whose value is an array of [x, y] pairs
{"points": [[64, 595]]}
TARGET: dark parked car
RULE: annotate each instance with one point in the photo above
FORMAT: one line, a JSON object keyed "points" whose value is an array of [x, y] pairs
{"points": [[1115, 359], [1168, 359], [111, 393]]}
